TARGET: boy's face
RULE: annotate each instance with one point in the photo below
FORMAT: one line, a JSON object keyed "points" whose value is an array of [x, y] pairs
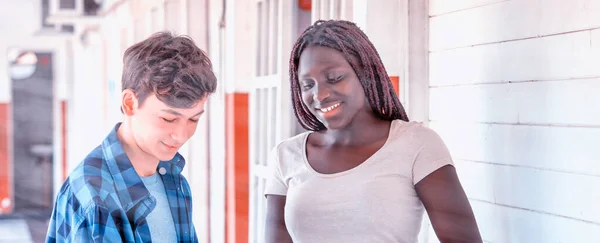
{"points": [[160, 130]]}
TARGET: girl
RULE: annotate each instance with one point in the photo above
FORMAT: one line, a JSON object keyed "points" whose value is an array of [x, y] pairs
{"points": [[363, 172]]}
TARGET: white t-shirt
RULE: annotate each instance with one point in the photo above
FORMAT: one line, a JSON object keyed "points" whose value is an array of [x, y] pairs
{"points": [[373, 202]]}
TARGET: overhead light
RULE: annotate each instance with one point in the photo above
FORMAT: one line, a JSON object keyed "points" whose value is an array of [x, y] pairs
{"points": [[28, 58], [22, 66]]}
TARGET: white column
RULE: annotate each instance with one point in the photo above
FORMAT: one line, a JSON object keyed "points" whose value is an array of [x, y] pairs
{"points": [[418, 62], [216, 112], [62, 70], [85, 106], [198, 158]]}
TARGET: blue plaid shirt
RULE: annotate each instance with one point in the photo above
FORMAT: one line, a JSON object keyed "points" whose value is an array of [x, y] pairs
{"points": [[104, 199]]}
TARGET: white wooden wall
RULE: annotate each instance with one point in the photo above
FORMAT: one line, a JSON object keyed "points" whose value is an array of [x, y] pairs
{"points": [[269, 103], [514, 92], [262, 106]]}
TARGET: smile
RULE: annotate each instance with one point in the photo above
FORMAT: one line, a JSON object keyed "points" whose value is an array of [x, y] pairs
{"points": [[330, 108]]}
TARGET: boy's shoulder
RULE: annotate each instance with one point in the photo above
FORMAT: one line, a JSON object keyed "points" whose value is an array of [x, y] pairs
{"points": [[91, 182]]}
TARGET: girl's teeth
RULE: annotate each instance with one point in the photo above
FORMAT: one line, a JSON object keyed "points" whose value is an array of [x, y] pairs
{"points": [[328, 109]]}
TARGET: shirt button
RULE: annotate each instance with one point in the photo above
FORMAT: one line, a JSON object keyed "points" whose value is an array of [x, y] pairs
{"points": [[162, 170]]}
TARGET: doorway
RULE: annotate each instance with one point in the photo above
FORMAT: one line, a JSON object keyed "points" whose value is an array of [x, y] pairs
{"points": [[32, 119]]}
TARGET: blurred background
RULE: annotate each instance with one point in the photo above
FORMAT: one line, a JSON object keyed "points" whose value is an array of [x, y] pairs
{"points": [[512, 86]]}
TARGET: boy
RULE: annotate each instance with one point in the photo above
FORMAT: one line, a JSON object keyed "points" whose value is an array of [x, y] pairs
{"points": [[129, 189]]}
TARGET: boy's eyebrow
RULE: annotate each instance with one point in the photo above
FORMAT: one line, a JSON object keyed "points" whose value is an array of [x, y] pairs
{"points": [[199, 113], [174, 112]]}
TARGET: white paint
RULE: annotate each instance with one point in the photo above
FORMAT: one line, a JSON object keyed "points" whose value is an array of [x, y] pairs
{"points": [[569, 195], [531, 167], [217, 167], [427, 234], [16, 33], [198, 169], [359, 14], [240, 62], [416, 83], [273, 37], [85, 111], [510, 20], [62, 75], [256, 151], [573, 102], [504, 224], [61, 88], [387, 40], [157, 19], [198, 32], [347, 9], [195, 12], [315, 13], [148, 18], [173, 15], [289, 15], [217, 125], [184, 17], [270, 110], [528, 146], [115, 26], [5, 88], [555, 57], [268, 98], [438, 7]]}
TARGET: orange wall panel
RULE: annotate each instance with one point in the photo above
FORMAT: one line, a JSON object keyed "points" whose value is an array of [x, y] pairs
{"points": [[237, 167], [396, 84], [5, 156]]}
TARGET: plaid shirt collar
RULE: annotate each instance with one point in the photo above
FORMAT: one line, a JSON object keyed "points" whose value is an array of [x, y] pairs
{"points": [[129, 185]]}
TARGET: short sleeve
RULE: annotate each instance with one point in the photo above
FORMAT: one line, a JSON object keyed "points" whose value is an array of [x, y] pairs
{"points": [[432, 154], [275, 183]]}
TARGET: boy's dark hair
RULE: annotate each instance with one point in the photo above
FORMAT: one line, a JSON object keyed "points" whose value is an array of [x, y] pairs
{"points": [[171, 67], [358, 50]]}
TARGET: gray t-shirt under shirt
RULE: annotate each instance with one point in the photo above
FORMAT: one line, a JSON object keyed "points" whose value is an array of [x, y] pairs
{"points": [[373, 202], [160, 220]]}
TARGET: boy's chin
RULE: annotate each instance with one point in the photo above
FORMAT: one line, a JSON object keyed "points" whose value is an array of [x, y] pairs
{"points": [[165, 156]]}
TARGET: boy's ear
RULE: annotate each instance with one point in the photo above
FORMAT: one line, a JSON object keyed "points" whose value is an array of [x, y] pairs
{"points": [[129, 102]]}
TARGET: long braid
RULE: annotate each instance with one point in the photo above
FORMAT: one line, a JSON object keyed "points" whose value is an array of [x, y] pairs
{"points": [[362, 56]]}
